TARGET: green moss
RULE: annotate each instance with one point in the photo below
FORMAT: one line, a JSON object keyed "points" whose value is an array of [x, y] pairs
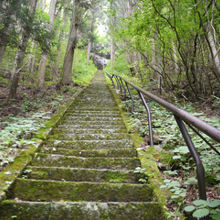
{"points": [[8, 175], [95, 162], [164, 156], [80, 210], [116, 177], [37, 190]]}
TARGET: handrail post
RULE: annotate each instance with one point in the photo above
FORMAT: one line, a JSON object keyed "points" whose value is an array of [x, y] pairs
{"points": [[123, 88], [149, 118], [111, 77], [119, 85], [132, 99], [199, 166]]}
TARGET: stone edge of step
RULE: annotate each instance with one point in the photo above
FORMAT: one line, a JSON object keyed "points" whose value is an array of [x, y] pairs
{"points": [[10, 173]]}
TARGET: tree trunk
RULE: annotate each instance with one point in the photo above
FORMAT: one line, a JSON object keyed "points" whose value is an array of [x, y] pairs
{"points": [[2, 53], [90, 38], [214, 52], [43, 61], [20, 57], [112, 52], [65, 21], [68, 60]]}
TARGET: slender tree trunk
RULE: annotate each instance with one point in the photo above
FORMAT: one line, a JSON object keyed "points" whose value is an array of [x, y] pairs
{"points": [[44, 56], [176, 67], [2, 53], [20, 57], [68, 60], [90, 38], [65, 21], [214, 52], [112, 52]]}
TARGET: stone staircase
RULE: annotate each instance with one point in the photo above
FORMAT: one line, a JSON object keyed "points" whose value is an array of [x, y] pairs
{"points": [[85, 169]]}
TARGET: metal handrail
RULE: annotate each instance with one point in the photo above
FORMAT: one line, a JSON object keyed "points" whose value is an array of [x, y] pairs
{"points": [[181, 116]]}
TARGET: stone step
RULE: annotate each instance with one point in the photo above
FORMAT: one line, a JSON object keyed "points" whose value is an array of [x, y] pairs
{"points": [[87, 122], [80, 210], [89, 131], [106, 112], [56, 160], [92, 118], [129, 152], [95, 114], [91, 126], [94, 108], [90, 144], [87, 136], [49, 190], [97, 105], [80, 174]]}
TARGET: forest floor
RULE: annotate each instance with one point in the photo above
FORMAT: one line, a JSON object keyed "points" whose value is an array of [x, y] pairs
{"points": [[21, 118]]}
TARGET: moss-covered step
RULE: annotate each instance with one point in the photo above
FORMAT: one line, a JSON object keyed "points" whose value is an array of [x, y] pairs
{"points": [[92, 118], [80, 210], [96, 114], [89, 130], [129, 152], [80, 174], [89, 144], [94, 108], [72, 136], [53, 160], [96, 105], [46, 190], [87, 122], [93, 112], [91, 126]]}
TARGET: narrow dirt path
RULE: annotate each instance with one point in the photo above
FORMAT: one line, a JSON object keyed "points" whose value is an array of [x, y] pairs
{"points": [[85, 169]]}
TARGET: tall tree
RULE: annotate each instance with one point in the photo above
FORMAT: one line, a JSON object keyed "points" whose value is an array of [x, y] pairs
{"points": [[44, 56], [25, 35], [79, 8]]}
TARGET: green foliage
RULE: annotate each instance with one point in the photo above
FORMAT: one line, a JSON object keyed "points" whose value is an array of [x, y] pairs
{"points": [[17, 133], [203, 208], [142, 178], [120, 65], [175, 187], [82, 74]]}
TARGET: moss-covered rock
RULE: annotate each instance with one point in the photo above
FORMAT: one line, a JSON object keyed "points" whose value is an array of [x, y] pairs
{"points": [[81, 210], [40, 190], [84, 162]]}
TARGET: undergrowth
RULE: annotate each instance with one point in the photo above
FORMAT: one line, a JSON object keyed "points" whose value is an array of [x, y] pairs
{"points": [[180, 174], [18, 128]]}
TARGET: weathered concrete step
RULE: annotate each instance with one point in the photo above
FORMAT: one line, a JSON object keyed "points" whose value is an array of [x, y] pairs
{"points": [[92, 118], [129, 152], [55, 160], [83, 115], [80, 174], [94, 114], [72, 136], [94, 108], [90, 144], [90, 126], [97, 99], [45, 190], [80, 210], [97, 105], [89, 130], [87, 122]]}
